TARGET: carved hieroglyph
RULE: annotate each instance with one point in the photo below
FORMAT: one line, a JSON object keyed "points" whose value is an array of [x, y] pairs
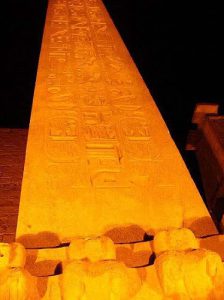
{"points": [[99, 158]]}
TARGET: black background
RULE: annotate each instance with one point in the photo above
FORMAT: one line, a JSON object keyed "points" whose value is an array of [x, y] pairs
{"points": [[177, 46]]}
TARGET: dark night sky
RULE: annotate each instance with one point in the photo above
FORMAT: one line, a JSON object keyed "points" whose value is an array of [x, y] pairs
{"points": [[175, 44]]}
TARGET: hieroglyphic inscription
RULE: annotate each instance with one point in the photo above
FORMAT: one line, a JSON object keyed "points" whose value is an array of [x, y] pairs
{"points": [[95, 136], [62, 142], [64, 129], [136, 129]]}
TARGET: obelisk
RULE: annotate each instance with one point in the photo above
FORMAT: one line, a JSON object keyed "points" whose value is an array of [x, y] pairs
{"points": [[100, 159]]}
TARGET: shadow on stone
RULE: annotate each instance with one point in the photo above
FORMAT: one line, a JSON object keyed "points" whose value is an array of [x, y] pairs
{"points": [[43, 239], [134, 259], [202, 226], [127, 234]]}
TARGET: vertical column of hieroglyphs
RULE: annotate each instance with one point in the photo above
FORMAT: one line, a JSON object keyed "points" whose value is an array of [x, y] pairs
{"points": [[99, 155]]}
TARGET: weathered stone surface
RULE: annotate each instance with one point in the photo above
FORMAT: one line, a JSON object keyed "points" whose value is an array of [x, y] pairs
{"points": [[135, 254], [12, 255], [149, 287], [12, 155], [100, 160], [195, 274], [15, 282], [100, 280], [181, 239], [92, 249], [46, 262]]}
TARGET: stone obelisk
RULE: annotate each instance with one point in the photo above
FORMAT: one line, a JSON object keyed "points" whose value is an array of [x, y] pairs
{"points": [[99, 159]]}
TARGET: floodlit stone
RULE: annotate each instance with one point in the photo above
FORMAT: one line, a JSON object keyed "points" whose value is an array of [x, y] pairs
{"points": [[93, 249], [175, 239], [169, 269], [196, 274], [12, 255], [99, 157], [106, 280], [4, 255], [17, 284]]}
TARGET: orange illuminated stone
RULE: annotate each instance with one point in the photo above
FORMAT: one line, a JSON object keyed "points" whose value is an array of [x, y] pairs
{"points": [[176, 239], [99, 159], [93, 249], [99, 280], [15, 282], [12, 255], [195, 274]]}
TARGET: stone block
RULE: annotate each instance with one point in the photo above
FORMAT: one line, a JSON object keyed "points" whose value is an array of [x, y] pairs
{"points": [[135, 254], [12, 255], [175, 239], [17, 284], [93, 249], [195, 274], [99, 158], [104, 280]]}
